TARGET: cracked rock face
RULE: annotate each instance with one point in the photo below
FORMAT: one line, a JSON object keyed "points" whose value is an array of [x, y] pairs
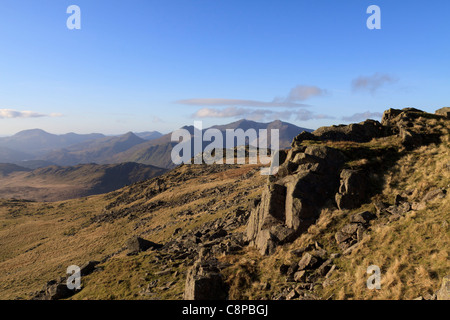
{"points": [[352, 191], [289, 205]]}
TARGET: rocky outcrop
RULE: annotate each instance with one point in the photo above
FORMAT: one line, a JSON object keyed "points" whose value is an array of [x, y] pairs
{"points": [[410, 125], [54, 290], [311, 177], [292, 202], [357, 132], [444, 112]]}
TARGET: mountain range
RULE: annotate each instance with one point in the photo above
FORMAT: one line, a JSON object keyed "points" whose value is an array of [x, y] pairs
{"points": [[37, 148]]}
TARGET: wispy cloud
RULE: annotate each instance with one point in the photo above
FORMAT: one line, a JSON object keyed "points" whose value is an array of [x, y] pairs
{"points": [[218, 102], [10, 114], [258, 114], [301, 93], [298, 93], [357, 117], [372, 83]]}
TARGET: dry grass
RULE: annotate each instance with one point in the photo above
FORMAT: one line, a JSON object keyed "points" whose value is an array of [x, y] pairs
{"points": [[412, 252], [39, 241]]}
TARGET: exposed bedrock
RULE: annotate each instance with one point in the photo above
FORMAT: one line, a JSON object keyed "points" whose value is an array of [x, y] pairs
{"points": [[305, 182]]}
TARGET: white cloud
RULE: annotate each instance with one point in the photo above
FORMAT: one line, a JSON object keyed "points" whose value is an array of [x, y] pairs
{"points": [[258, 114], [298, 93], [218, 102], [10, 114], [301, 93]]}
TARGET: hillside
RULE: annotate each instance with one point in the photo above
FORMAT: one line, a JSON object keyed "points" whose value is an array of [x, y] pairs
{"points": [[8, 155], [345, 198], [60, 183], [7, 168]]}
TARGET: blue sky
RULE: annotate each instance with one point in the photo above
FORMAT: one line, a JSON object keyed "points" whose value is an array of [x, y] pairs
{"points": [[142, 65]]}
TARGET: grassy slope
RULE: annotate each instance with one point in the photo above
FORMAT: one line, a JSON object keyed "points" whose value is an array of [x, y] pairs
{"points": [[39, 241]]}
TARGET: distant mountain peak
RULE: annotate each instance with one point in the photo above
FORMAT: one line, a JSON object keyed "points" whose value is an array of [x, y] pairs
{"points": [[32, 132], [130, 134]]}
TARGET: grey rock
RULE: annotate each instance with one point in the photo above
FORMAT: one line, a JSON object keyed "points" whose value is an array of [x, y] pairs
{"points": [[204, 282], [308, 262], [444, 291], [293, 294], [137, 244], [434, 194], [357, 132], [352, 191], [362, 217], [300, 276]]}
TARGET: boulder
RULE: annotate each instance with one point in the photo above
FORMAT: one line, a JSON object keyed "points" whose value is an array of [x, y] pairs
{"points": [[204, 282], [400, 209], [55, 290], [308, 262], [349, 235], [444, 291], [300, 276], [362, 218], [293, 294], [137, 244], [434, 194]]}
